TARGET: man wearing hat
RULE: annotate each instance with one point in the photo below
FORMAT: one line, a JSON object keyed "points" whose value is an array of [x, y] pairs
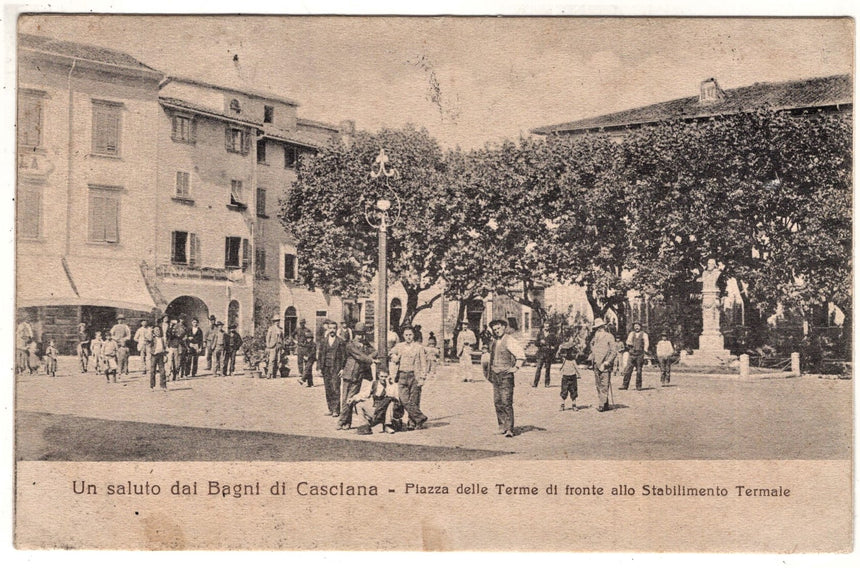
{"points": [[210, 345], [603, 354], [306, 353], [232, 344], [506, 358], [193, 343], [637, 343], [143, 338], [357, 368], [219, 344], [121, 333], [465, 343], [331, 357], [274, 337]]}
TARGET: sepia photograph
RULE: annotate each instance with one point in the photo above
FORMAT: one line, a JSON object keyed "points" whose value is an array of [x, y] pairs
{"points": [[423, 270]]}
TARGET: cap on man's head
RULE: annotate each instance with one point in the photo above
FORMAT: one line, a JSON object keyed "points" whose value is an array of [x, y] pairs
{"points": [[120, 317], [598, 322], [496, 322], [359, 327], [212, 317], [195, 320], [220, 324], [303, 320], [232, 326]]}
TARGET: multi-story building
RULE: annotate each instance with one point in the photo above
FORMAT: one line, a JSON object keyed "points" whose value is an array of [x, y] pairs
{"points": [[86, 129], [140, 195]]}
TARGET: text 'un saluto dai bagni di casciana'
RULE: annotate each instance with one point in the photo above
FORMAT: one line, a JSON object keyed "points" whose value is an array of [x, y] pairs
{"points": [[306, 488]]}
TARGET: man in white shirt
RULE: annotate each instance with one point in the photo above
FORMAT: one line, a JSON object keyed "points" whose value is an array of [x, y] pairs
{"points": [[466, 341], [637, 344], [506, 358], [411, 361]]}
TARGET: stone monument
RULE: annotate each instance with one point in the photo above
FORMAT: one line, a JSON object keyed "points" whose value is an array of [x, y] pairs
{"points": [[711, 351]]}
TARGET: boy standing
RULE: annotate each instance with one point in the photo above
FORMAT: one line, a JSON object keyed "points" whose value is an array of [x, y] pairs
{"points": [[665, 352], [569, 373]]}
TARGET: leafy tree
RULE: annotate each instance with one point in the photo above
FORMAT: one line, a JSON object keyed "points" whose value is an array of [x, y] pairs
{"points": [[325, 211]]}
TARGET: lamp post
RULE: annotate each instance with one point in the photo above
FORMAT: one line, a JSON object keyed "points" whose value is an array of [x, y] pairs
{"points": [[381, 214]]}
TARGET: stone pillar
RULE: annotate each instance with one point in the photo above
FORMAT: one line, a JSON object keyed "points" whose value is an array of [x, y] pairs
{"points": [[795, 364], [745, 366], [711, 351]]}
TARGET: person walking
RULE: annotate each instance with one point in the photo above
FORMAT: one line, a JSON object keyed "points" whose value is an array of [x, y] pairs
{"points": [[665, 353], [157, 352], [506, 358], [603, 354], [175, 336], [331, 358], [465, 344], [232, 344], [357, 368], [143, 338], [274, 337], [304, 340], [569, 373], [193, 345], [637, 343], [23, 337], [51, 356], [84, 345], [210, 345], [110, 352], [411, 362], [96, 349], [547, 347]]}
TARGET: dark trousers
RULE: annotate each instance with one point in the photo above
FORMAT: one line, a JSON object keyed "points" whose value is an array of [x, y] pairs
{"points": [[209, 350], [601, 381], [665, 369], [229, 362], [503, 398], [122, 359], [189, 362], [332, 389], [634, 361], [348, 389], [543, 361], [156, 365], [302, 355], [410, 397], [218, 360], [569, 387], [307, 374]]}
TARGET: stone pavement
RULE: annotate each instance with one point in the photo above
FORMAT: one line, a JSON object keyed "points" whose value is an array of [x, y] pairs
{"points": [[694, 418]]}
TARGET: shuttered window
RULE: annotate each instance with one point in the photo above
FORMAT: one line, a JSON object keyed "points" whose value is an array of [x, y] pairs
{"points": [[103, 217], [184, 248], [232, 249], [237, 140], [30, 121], [236, 196], [261, 201], [107, 128], [184, 129], [289, 267], [183, 184]]}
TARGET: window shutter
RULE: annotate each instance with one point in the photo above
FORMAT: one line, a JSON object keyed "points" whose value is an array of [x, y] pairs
{"points": [[228, 139], [112, 220], [246, 142], [193, 249], [172, 246], [96, 218], [174, 133], [246, 254], [194, 130]]}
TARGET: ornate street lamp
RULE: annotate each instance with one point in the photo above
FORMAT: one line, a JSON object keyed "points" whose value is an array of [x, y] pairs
{"points": [[382, 213]]}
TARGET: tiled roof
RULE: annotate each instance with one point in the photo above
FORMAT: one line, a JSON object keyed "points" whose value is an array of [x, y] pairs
{"points": [[170, 101], [81, 51], [309, 139], [807, 93]]}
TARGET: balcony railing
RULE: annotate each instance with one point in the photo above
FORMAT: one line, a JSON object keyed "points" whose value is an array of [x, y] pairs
{"points": [[179, 271]]}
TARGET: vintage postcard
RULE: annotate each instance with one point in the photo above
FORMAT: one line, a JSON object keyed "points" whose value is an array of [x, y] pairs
{"points": [[434, 283]]}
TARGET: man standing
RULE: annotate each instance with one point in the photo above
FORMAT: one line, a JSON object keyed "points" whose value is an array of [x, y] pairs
{"points": [[665, 353], [232, 345], [219, 344], [331, 357], [194, 343], [637, 344], [274, 337], [143, 338], [547, 346], [175, 336], [506, 358], [304, 339], [465, 343], [344, 332], [210, 345], [603, 354], [121, 333], [84, 342], [359, 359], [411, 361]]}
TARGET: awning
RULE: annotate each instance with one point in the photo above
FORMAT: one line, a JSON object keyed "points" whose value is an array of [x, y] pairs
{"points": [[42, 281], [110, 282]]}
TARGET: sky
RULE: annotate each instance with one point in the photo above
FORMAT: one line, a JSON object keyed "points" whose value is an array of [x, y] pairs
{"points": [[469, 81]]}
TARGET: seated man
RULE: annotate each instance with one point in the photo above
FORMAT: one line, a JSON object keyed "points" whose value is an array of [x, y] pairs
{"points": [[375, 404]]}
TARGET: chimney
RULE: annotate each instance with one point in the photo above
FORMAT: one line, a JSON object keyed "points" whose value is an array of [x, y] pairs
{"points": [[710, 92], [346, 129]]}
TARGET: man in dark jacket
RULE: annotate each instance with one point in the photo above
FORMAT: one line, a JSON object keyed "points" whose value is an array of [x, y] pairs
{"points": [[547, 345], [232, 344], [193, 343], [305, 355], [331, 357], [359, 358]]}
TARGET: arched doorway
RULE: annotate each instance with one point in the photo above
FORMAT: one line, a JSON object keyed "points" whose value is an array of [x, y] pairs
{"points": [[291, 321], [395, 313], [188, 308], [233, 313]]}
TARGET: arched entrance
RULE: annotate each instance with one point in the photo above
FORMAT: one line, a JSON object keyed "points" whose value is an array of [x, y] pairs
{"points": [[233, 313], [395, 313], [291, 321], [188, 308]]}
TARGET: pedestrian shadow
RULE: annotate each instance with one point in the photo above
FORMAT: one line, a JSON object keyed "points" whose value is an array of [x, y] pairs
{"points": [[669, 386], [435, 424], [618, 406], [180, 389], [518, 430]]}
